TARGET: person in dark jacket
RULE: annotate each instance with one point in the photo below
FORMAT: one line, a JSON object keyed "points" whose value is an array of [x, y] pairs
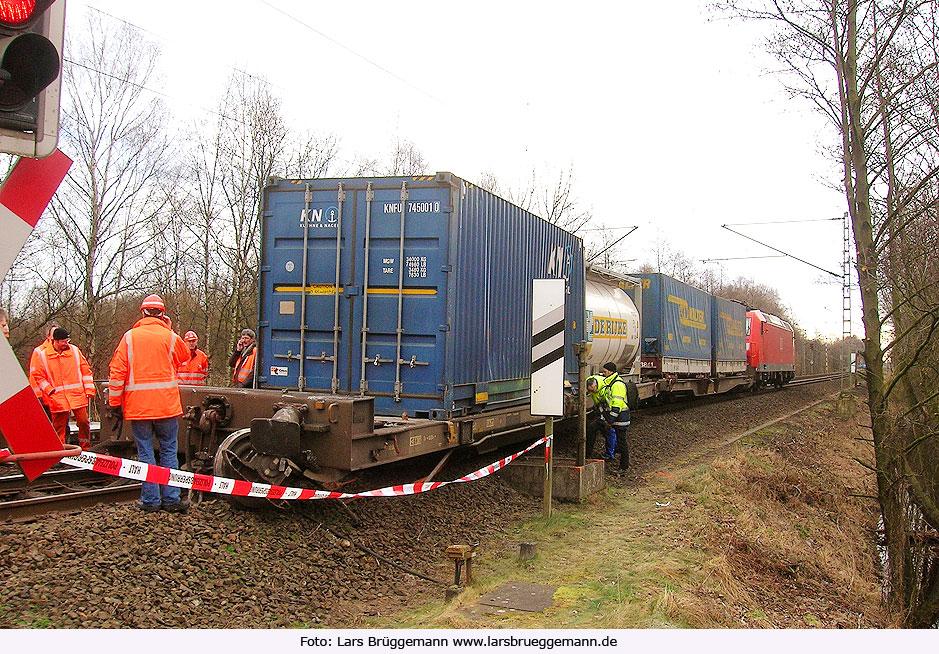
{"points": [[242, 360]]}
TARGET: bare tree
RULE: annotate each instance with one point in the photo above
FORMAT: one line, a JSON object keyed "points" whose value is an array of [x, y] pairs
{"points": [[673, 262], [311, 156], [97, 241], [548, 194], [251, 144], [404, 158], [871, 70]]}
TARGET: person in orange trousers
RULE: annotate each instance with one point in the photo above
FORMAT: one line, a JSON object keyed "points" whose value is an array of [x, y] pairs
{"points": [[63, 376]]}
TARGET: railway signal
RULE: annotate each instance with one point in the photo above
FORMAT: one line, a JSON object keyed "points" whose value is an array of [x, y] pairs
{"points": [[31, 36]]}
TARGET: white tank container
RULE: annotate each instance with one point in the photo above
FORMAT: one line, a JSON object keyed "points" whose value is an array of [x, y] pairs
{"points": [[616, 329]]}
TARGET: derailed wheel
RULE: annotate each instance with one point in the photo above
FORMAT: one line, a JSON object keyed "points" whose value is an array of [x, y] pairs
{"points": [[236, 458]]}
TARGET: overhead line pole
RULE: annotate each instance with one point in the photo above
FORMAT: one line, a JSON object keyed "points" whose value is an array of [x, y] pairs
{"points": [[845, 310]]}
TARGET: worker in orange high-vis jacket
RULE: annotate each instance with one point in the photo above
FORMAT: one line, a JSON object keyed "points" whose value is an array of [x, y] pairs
{"points": [[196, 368], [143, 390], [63, 376], [34, 361], [242, 360]]}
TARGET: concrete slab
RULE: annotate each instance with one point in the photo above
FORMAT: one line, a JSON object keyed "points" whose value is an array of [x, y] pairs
{"points": [[571, 483], [520, 596]]}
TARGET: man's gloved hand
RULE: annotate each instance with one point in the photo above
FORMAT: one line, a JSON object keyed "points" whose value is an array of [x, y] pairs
{"points": [[117, 412]]}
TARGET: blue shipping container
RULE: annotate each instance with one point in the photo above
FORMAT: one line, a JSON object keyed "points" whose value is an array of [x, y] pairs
{"points": [[728, 335], [676, 333], [433, 310]]}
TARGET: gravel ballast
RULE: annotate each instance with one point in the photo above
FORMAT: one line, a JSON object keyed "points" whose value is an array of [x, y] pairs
{"points": [[220, 567]]}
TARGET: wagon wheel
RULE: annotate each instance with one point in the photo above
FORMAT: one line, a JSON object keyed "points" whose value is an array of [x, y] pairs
{"points": [[236, 458]]}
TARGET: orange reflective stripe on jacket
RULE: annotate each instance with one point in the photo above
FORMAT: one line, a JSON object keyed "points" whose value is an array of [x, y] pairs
{"points": [[244, 369], [143, 371], [194, 370], [67, 373]]}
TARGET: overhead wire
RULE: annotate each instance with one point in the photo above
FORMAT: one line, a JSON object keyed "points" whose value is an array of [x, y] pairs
{"points": [[168, 96], [351, 51]]}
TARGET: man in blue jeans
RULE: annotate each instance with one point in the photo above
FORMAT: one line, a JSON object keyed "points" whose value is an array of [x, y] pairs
{"points": [[154, 497], [615, 415], [142, 388]]}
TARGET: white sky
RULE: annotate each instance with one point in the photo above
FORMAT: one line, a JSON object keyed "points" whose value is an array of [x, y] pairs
{"points": [[669, 119]]}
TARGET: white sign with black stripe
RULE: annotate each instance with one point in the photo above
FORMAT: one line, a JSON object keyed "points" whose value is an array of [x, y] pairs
{"points": [[547, 347]]}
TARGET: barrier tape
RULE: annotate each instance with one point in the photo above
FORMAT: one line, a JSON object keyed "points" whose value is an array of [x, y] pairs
{"points": [[129, 469]]}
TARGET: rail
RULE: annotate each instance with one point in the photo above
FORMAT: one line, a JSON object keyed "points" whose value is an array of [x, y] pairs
{"points": [[815, 379], [59, 495]]}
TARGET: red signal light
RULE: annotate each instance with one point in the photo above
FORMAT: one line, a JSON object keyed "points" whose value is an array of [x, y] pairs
{"points": [[14, 12], [20, 14]]}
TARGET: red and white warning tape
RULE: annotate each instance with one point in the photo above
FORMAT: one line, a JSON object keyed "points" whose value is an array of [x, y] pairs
{"points": [[129, 469]]}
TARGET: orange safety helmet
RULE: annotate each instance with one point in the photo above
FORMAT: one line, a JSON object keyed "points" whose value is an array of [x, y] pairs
{"points": [[152, 302], [191, 336]]}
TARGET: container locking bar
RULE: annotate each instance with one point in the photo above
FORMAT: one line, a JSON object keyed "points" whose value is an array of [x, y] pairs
{"points": [[400, 331], [336, 327], [369, 196], [307, 201]]}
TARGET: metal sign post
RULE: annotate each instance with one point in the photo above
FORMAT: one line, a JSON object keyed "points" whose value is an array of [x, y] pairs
{"points": [[547, 366]]}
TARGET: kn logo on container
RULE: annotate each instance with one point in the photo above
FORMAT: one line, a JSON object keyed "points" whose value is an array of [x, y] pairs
{"points": [[560, 262], [319, 218]]}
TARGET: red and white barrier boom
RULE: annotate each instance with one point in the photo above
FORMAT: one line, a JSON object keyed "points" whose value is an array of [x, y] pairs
{"points": [[23, 197]]}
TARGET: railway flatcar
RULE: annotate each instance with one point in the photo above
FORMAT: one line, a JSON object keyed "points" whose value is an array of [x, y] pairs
{"points": [[394, 322], [771, 352]]}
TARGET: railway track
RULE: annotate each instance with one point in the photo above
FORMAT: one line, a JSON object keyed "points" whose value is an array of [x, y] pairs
{"points": [[60, 491], [678, 403], [67, 490], [815, 379]]}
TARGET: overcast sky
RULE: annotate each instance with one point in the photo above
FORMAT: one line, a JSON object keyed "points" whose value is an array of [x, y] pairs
{"points": [[672, 120]]}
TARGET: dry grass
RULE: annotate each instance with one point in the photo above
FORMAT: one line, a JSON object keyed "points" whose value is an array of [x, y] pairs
{"points": [[767, 533]]}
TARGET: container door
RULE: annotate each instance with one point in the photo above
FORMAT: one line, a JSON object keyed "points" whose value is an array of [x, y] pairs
{"points": [[400, 355], [335, 260], [304, 231]]}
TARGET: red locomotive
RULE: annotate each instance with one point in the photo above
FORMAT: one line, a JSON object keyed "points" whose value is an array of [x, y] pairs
{"points": [[771, 349]]}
